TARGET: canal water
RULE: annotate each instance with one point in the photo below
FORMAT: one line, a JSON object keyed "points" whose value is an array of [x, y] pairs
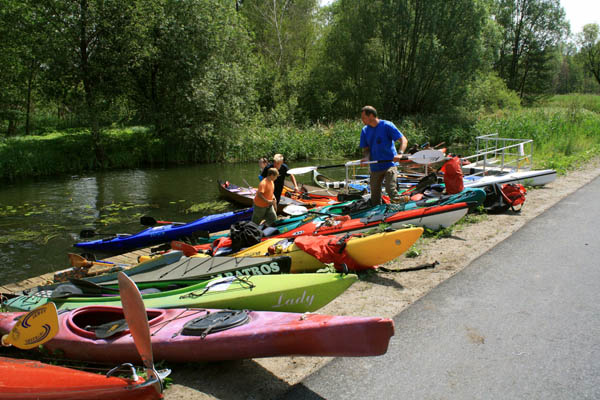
{"points": [[40, 220]]}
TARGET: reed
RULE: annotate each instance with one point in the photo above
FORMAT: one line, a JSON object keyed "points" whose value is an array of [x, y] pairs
{"points": [[565, 134]]}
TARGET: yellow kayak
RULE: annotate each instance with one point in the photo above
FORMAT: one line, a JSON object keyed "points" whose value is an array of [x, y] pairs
{"points": [[370, 250]]}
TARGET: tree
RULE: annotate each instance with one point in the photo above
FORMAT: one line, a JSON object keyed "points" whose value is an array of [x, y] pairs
{"points": [[194, 78], [21, 50], [284, 33], [532, 31], [590, 49], [90, 44], [403, 57]]}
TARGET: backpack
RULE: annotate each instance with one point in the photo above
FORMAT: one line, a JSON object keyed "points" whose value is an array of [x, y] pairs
{"points": [[499, 198], [244, 234]]}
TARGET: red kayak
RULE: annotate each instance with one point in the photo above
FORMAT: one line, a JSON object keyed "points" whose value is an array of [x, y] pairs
{"points": [[26, 379], [96, 333], [433, 217]]}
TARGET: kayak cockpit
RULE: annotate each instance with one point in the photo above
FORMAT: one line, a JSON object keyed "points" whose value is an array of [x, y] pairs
{"points": [[105, 321]]}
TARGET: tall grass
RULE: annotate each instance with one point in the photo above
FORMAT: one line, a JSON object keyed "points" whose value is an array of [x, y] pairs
{"points": [[565, 133], [565, 130], [72, 152]]}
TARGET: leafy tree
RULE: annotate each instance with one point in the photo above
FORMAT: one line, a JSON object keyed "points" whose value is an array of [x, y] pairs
{"points": [[284, 34], [90, 45], [590, 49], [20, 51], [194, 79], [532, 31], [403, 57]]}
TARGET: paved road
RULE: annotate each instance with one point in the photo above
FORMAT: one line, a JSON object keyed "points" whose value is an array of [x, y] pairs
{"points": [[520, 322]]}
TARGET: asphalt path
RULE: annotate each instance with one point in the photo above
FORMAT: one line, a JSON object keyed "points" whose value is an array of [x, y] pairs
{"points": [[520, 322]]}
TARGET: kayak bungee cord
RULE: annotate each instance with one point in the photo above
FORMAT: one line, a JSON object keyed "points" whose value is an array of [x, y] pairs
{"points": [[244, 283]]}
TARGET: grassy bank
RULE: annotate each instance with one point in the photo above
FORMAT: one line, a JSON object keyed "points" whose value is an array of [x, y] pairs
{"points": [[565, 130]]}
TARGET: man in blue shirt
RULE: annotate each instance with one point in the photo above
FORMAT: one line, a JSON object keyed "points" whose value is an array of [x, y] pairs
{"points": [[377, 140]]}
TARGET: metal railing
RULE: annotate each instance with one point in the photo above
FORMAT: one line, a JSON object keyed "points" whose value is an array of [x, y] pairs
{"points": [[496, 155]]}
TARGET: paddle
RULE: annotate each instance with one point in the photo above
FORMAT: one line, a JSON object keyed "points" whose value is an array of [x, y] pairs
{"points": [[78, 261], [137, 320], [421, 157], [88, 233], [34, 328], [150, 221], [295, 210], [187, 249]]}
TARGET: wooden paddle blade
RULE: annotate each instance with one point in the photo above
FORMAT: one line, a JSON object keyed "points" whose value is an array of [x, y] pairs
{"points": [[78, 261], [34, 328], [137, 319]]}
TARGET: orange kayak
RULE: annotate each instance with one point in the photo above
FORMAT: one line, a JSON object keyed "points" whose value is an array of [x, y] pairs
{"points": [[26, 379]]}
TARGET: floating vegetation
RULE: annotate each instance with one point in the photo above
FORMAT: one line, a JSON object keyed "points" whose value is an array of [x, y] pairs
{"points": [[208, 207], [40, 236], [24, 210]]}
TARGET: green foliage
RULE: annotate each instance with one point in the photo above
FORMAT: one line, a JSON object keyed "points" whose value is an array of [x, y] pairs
{"points": [[564, 133], [72, 152], [401, 57], [488, 94], [413, 252], [532, 30], [590, 49]]}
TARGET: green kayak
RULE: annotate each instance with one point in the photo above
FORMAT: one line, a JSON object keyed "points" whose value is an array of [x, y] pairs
{"points": [[288, 293]]}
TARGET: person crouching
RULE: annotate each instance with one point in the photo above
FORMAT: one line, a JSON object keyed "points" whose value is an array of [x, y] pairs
{"points": [[264, 201]]}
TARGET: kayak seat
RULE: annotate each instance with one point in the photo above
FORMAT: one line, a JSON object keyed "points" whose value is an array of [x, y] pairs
{"points": [[150, 291], [215, 322]]}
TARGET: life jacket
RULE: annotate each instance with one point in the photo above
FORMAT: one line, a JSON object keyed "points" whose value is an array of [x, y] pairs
{"points": [[329, 249], [499, 198], [514, 195], [453, 176]]}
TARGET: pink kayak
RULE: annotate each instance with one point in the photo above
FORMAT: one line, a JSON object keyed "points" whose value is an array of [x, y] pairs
{"points": [[98, 333]]}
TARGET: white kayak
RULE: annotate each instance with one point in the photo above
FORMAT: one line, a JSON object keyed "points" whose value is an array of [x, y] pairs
{"points": [[527, 178]]}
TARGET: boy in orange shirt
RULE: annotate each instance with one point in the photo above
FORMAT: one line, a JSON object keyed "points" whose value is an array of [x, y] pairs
{"points": [[264, 201]]}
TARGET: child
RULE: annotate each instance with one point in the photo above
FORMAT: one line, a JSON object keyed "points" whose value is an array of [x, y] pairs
{"points": [[264, 201]]}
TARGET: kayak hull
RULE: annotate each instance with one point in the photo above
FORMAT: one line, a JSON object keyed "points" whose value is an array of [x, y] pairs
{"points": [[368, 251], [26, 379], [165, 233], [528, 178], [265, 334], [285, 293]]}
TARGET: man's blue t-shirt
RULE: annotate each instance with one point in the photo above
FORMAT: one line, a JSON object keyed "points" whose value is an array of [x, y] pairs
{"points": [[380, 141]]}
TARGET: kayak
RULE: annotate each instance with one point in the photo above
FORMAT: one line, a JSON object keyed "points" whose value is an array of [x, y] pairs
{"points": [[205, 267], [367, 251], [433, 217], [26, 379], [98, 333], [286, 293], [529, 178], [245, 196], [165, 233]]}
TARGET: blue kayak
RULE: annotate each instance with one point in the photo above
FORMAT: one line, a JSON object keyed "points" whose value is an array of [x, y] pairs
{"points": [[122, 243]]}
